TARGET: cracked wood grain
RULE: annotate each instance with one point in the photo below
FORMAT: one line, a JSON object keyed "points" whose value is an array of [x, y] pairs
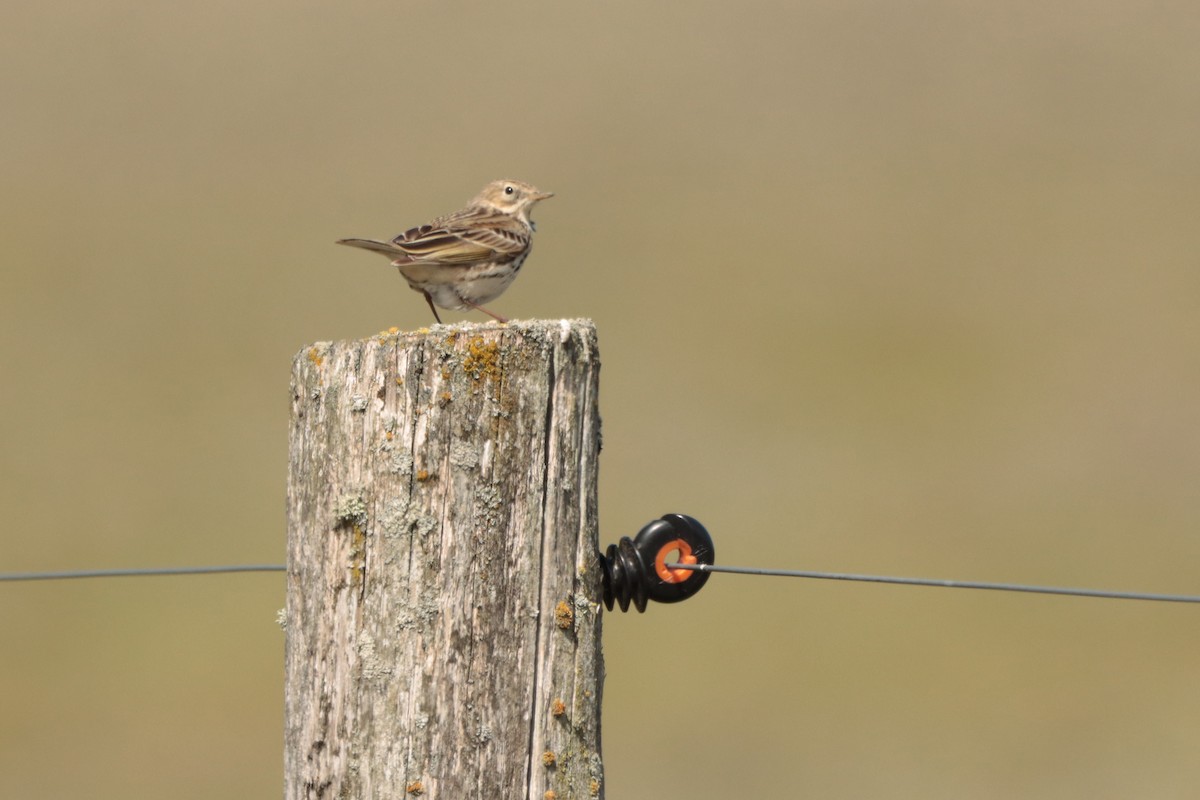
{"points": [[443, 601]]}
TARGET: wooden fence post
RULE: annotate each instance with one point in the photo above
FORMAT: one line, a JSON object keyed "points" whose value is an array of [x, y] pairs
{"points": [[444, 587]]}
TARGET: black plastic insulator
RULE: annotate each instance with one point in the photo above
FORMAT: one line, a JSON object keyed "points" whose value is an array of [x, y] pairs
{"points": [[635, 571]]}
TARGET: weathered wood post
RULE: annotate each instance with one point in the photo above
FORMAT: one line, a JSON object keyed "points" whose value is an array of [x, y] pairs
{"points": [[444, 587]]}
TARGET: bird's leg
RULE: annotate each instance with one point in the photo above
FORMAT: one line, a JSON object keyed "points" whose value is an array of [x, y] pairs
{"points": [[429, 300], [491, 314]]}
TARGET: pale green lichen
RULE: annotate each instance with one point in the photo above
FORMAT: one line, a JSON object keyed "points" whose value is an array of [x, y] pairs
{"points": [[400, 463], [372, 666], [464, 456], [400, 518], [489, 503], [351, 510]]}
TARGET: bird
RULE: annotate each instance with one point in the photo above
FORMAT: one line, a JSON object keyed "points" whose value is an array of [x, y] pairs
{"points": [[467, 258]]}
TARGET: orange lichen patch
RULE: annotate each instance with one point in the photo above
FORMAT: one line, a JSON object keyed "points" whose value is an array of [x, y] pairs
{"points": [[399, 381], [550, 795], [482, 359], [594, 787], [444, 399], [564, 615], [393, 330], [422, 475], [558, 707], [548, 758], [415, 788], [389, 435], [314, 355]]}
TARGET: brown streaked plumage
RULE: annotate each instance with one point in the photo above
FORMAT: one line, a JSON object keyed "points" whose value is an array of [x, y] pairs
{"points": [[469, 257]]}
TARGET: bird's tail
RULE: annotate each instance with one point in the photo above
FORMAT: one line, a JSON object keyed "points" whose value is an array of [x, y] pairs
{"points": [[386, 248]]}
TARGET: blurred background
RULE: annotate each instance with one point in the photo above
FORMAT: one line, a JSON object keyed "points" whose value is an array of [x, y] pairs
{"points": [[896, 288]]}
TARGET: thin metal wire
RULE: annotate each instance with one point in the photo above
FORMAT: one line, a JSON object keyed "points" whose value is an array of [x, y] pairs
{"points": [[784, 573], [1001, 587], [128, 573]]}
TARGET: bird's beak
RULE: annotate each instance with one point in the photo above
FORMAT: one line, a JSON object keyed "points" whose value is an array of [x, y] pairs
{"points": [[543, 195]]}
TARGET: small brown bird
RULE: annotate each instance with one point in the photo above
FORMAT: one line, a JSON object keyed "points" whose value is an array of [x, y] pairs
{"points": [[469, 257]]}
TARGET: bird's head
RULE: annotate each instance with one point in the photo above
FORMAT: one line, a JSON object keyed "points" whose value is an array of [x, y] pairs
{"points": [[511, 197]]}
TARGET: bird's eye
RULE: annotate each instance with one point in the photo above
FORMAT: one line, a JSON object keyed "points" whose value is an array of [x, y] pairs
{"points": [[508, 190]]}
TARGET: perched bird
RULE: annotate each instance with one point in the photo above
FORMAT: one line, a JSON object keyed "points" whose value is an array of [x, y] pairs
{"points": [[469, 257]]}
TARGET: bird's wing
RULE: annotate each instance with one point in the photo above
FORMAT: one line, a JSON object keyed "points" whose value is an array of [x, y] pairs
{"points": [[464, 238]]}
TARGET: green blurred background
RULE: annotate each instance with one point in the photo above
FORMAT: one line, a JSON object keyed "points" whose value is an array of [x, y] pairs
{"points": [[900, 288]]}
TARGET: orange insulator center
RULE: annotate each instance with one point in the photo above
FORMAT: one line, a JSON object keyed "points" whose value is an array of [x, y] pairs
{"points": [[685, 557]]}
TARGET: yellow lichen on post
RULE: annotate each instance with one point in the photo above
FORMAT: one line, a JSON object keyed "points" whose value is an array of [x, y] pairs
{"points": [[482, 359]]}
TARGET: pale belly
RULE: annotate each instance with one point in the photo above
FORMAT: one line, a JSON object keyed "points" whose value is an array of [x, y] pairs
{"points": [[449, 286]]}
